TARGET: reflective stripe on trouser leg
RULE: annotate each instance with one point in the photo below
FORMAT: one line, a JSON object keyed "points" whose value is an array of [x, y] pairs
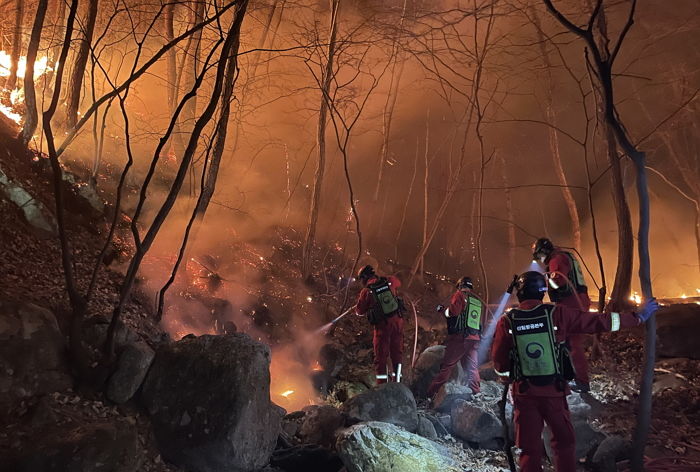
{"points": [[614, 321], [398, 373], [382, 377]]}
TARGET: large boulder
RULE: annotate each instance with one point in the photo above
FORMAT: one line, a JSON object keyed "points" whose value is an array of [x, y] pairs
{"points": [[32, 354], [476, 425], [320, 424], [677, 331], [132, 367], [390, 403], [35, 213], [587, 437], [100, 447], [209, 401], [426, 368], [426, 428], [448, 394], [382, 447]]}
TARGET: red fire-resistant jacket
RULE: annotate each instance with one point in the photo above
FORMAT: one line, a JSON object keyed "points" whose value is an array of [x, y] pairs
{"points": [[457, 305], [559, 265], [568, 321], [365, 301]]}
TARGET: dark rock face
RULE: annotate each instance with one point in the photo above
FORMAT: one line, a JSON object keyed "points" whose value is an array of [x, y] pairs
{"points": [[102, 447], [320, 425], [677, 331], [391, 403], [476, 424], [209, 401], [612, 450], [132, 367], [306, 458], [32, 354]]}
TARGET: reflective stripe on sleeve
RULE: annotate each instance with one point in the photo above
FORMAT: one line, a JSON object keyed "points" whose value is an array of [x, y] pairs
{"points": [[554, 285], [614, 321], [447, 312], [382, 377], [501, 374]]}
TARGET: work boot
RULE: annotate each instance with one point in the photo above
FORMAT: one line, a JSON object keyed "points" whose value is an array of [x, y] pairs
{"points": [[580, 387]]}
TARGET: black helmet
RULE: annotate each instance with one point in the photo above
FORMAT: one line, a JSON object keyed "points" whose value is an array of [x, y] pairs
{"points": [[465, 282], [366, 273], [530, 286], [542, 247]]}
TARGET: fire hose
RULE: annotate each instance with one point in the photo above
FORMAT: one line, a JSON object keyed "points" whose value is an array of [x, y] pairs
{"points": [[415, 336], [508, 444]]}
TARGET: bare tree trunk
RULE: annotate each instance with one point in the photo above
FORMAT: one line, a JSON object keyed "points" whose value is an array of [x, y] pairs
{"points": [[31, 118], [625, 242], [171, 57], [390, 103], [326, 78], [426, 182], [11, 81], [554, 138], [510, 216], [405, 206], [77, 301], [75, 86], [191, 64]]}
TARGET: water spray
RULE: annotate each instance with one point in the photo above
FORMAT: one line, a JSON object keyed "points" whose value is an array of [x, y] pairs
{"points": [[328, 325]]}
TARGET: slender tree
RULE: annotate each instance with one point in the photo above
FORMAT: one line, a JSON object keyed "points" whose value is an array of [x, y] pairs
{"points": [[31, 118], [325, 85], [601, 59], [75, 84]]}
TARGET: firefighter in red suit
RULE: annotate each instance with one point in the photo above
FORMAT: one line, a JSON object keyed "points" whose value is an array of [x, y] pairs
{"points": [[529, 346], [379, 302], [567, 287], [464, 318]]}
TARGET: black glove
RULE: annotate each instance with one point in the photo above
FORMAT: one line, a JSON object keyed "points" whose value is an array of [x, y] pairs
{"points": [[513, 283]]}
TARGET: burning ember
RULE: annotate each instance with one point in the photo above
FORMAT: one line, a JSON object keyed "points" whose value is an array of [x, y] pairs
{"points": [[636, 298]]}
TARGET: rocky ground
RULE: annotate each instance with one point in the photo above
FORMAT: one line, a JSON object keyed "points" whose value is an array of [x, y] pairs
{"points": [[171, 406]]}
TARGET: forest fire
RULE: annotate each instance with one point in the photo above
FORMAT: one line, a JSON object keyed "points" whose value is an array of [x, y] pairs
{"points": [[10, 113], [259, 163], [41, 66]]}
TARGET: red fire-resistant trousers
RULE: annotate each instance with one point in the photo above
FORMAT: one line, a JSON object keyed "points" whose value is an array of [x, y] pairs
{"points": [[458, 349], [578, 354], [388, 343], [530, 415]]}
